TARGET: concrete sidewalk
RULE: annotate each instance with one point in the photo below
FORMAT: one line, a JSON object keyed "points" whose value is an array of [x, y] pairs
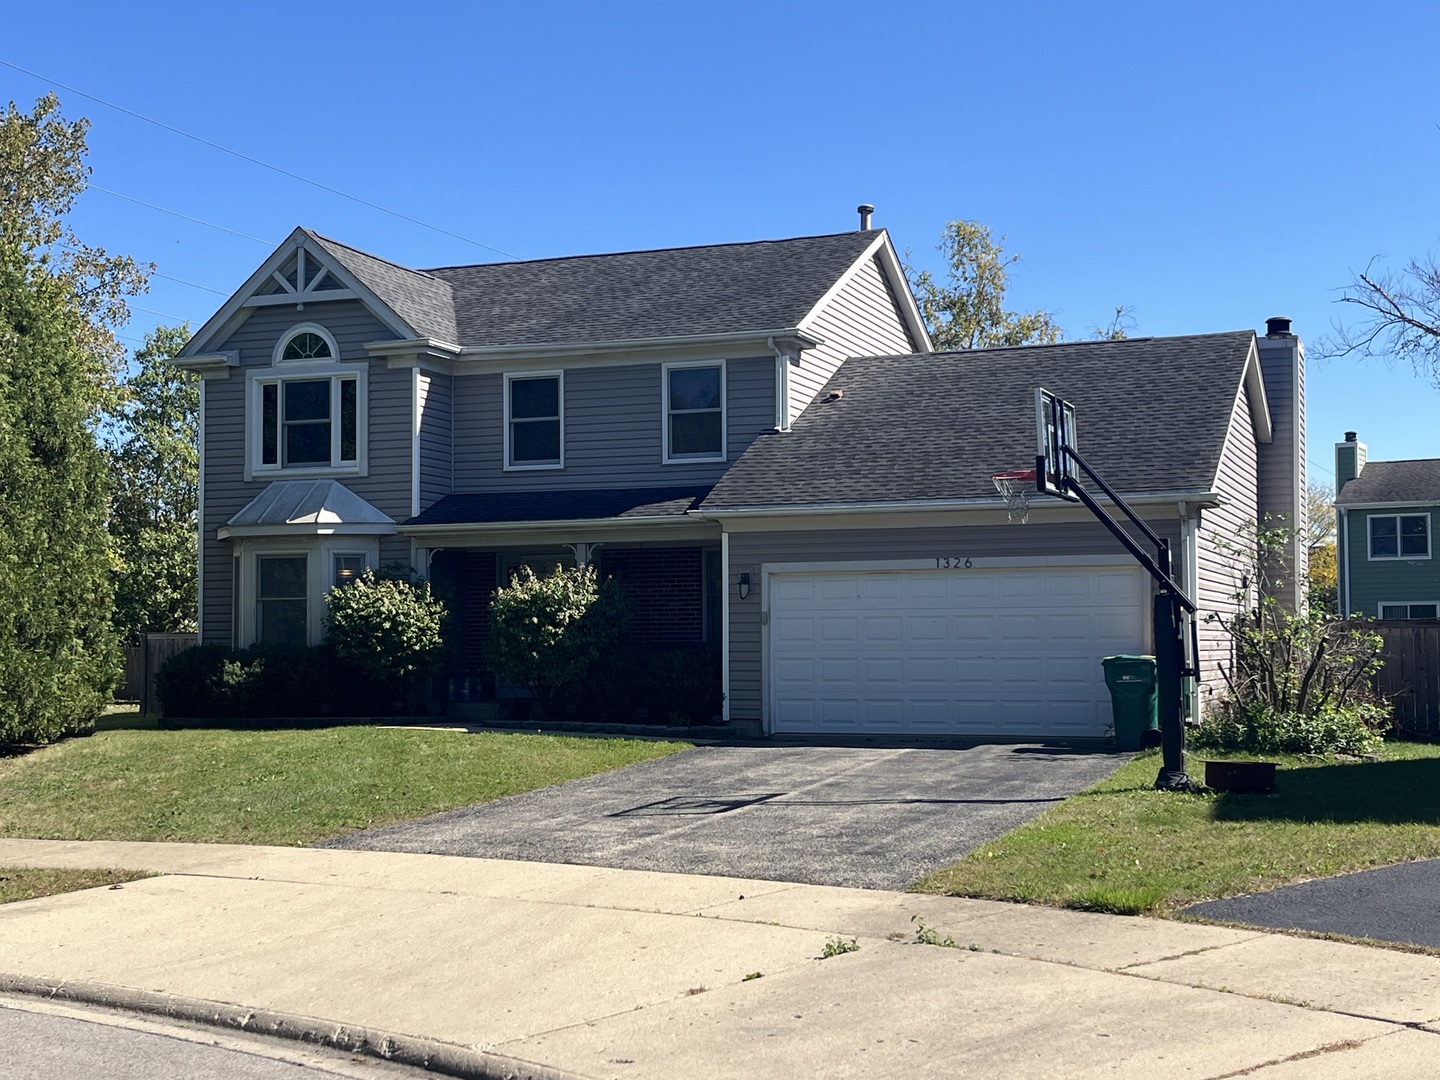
{"points": [[610, 973]]}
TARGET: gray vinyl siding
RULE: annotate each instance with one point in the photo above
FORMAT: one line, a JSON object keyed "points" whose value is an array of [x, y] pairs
{"points": [[613, 429], [862, 319], [387, 486], [1222, 531], [1389, 581], [749, 551], [436, 415], [1281, 462]]}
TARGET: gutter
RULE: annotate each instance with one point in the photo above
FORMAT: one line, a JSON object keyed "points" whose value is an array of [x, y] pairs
{"points": [[1199, 500], [566, 523], [802, 338]]}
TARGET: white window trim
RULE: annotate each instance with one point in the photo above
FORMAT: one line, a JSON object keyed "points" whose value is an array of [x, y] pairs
{"points": [[295, 371], [320, 555], [1397, 557], [1407, 604], [527, 466], [305, 328], [342, 552], [667, 458]]}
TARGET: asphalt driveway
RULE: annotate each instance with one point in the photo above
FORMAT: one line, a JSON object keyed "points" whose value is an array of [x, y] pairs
{"points": [[867, 817]]}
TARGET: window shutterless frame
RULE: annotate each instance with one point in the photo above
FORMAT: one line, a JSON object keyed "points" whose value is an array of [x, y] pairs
{"points": [[1408, 609], [539, 423], [691, 409], [1397, 536], [274, 419]]}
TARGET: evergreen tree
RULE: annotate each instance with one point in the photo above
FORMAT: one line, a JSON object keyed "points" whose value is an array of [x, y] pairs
{"points": [[60, 302]]}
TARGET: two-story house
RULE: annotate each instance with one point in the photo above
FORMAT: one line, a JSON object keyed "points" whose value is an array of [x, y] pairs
{"points": [[1385, 516], [467, 420], [757, 441]]}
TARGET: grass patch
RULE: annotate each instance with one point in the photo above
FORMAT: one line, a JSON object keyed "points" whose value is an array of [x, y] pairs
{"points": [[1123, 847], [26, 883], [281, 787]]}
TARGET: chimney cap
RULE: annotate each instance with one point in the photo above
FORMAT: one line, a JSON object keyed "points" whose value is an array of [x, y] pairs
{"points": [[1277, 326], [864, 210], [1352, 436]]}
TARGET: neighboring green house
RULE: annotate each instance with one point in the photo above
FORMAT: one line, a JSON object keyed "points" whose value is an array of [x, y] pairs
{"points": [[1386, 513]]}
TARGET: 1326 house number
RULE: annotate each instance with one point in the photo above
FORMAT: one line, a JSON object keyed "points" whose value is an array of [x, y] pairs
{"points": [[948, 562]]}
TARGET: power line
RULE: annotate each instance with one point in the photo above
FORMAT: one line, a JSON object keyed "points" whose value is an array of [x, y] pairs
{"points": [[255, 160], [193, 285], [176, 213]]}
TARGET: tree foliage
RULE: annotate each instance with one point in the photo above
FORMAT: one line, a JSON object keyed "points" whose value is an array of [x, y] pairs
{"points": [[1397, 317], [1319, 538], [547, 633], [966, 309], [154, 464], [60, 302]]}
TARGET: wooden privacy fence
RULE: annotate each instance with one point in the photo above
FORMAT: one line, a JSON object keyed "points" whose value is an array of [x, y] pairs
{"points": [[1410, 679], [143, 661]]}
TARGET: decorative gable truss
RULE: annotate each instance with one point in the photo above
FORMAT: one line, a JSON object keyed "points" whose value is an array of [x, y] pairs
{"points": [[302, 277]]}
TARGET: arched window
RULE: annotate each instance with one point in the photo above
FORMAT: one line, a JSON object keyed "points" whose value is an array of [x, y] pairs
{"points": [[306, 343]]}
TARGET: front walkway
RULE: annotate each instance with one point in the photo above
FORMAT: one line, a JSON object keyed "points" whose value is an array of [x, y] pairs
{"points": [[865, 817], [606, 973]]}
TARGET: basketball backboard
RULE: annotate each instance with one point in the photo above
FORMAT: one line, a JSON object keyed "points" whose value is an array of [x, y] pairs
{"points": [[1054, 434]]}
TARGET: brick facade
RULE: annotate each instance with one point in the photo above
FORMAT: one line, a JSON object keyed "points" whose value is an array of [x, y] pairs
{"points": [[666, 590]]}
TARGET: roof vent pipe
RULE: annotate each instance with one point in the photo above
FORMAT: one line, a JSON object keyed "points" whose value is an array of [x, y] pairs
{"points": [[865, 210], [1277, 326]]}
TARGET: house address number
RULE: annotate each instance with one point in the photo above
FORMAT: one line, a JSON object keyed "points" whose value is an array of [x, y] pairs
{"points": [[949, 562]]}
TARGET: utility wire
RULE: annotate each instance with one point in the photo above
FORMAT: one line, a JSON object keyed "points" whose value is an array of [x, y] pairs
{"points": [[193, 285], [254, 160], [176, 213]]}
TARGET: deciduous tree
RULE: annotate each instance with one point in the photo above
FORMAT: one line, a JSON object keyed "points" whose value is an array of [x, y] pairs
{"points": [[1395, 316]]}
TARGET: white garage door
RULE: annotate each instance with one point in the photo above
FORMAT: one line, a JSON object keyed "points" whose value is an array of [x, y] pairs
{"points": [[1011, 652]]}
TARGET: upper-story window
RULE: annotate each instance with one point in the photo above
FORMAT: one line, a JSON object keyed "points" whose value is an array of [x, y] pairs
{"points": [[535, 420], [307, 412], [694, 408], [1399, 536]]}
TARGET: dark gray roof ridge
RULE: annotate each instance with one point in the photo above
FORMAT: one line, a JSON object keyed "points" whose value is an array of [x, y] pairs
{"points": [[435, 270], [378, 258]]}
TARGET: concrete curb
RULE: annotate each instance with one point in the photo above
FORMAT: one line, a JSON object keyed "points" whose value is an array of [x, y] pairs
{"points": [[447, 1059]]}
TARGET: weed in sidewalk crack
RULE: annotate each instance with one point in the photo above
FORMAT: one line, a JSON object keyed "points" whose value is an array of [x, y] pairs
{"points": [[838, 947]]}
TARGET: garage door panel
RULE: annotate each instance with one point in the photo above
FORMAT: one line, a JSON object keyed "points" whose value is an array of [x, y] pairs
{"points": [[1011, 652]]}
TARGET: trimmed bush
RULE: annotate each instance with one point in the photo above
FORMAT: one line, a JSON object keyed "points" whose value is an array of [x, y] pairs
{"points": [[676, 686], [549, 633], [212, 682], [388, 626]]}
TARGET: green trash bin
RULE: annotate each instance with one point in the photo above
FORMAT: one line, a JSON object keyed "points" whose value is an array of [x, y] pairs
{"points": [[1133, 698]]}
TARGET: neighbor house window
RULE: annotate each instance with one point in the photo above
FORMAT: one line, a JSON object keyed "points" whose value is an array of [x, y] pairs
{"points": [[1399, 536], [535, 421], [1428, 610], [281, 613], [694, 411]]}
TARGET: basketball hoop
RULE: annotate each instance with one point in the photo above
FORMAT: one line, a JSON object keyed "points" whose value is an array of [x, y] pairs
{"points": [[1016, 487]]}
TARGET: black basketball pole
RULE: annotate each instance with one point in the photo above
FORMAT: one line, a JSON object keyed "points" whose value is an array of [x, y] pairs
{"points": [[1168, 620]]}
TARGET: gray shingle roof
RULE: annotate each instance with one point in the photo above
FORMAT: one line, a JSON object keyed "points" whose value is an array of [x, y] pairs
{"points": [[634, 295], [1152, 415], [505, 506], [422, 300], [1417, 480]]}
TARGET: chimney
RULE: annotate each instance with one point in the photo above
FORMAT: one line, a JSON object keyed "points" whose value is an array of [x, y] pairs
{"points": [[1277, 326], [865, 210], [1350, 458], [1282, 480]]}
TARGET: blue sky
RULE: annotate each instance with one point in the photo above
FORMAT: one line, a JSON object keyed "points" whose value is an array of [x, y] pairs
{"points": [[1207, 165]]}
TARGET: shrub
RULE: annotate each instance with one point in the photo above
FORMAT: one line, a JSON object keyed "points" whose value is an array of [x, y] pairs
{"points": [[190, 683], [674, 686], [1298, 681], [210, 681], [548, 633], [389, 626]]}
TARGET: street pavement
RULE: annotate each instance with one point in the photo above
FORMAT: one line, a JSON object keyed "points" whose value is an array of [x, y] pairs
{"points": [[850, 816], [1393, 903], [555, 971], [40, 1041]]}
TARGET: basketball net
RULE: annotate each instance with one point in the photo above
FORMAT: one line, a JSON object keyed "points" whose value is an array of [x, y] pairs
{"points": [[1016, 488]]}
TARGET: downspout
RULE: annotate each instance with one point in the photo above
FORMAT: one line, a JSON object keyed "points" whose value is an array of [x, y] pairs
{"points": [[724, 625], [782, 386]]}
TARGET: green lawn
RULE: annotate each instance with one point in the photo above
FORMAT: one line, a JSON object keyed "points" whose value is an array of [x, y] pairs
{"points": [[25, 883], [1122, 846], [280, 787]]}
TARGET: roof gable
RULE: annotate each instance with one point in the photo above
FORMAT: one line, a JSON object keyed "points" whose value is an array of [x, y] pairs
{"points": [[1153, 418]]}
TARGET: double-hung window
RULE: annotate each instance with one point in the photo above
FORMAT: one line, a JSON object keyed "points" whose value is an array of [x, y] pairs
{"points": [[306, 411], [281, 607], [1399, 536], [694, 400], [535, 420]]}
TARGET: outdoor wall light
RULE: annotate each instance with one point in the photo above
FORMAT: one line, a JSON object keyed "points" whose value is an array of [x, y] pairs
{"points": [[744, 586]]}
